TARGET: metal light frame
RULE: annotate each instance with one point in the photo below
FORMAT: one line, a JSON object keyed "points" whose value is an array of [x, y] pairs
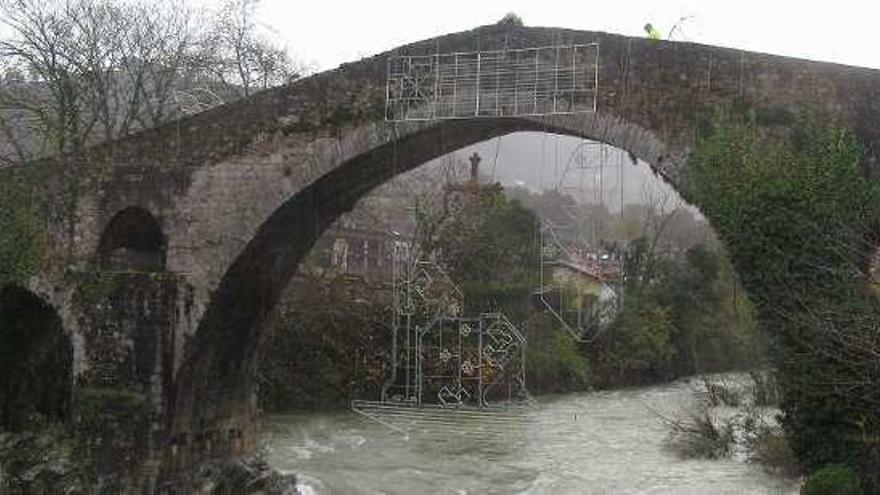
{"points": [[441, 357], [587, 327], [549, 80]]}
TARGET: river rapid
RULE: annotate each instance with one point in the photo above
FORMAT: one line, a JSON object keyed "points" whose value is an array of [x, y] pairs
{"points": [[599, 442]]}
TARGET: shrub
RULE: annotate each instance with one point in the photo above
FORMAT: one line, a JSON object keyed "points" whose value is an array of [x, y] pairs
{"points": [[764, 388], [511, 19], [554, 362], [768, 447], [719, 393], [701, 436], [637, 348], [836, 479], [798, 215]]}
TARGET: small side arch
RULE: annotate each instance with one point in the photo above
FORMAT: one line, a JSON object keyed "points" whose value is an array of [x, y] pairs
{"points": [[37, 359], [132, 241]]}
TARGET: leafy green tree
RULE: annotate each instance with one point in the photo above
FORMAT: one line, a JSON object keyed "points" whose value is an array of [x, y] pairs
{"points": [[678, 318], [554, 361], [490, 239], [638, 348], [798, 215]]}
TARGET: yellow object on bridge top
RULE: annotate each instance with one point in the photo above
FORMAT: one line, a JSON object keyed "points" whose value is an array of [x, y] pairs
{"points": [[653, 33]]}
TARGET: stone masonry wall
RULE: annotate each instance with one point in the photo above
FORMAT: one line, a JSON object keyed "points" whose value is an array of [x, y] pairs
{"points": [[128, 325]]}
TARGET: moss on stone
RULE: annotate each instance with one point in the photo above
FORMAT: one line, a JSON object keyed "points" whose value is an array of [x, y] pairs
{"points": [[95, 402], [836, 479], [22, 233], [40, 461], [94, 286]]}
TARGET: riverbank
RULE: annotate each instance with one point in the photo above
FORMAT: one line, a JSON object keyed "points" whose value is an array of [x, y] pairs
{"points": [[47, 460], [324, 358]]}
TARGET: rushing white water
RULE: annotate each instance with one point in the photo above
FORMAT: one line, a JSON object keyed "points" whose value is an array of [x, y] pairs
{"points": [[603, 442]]}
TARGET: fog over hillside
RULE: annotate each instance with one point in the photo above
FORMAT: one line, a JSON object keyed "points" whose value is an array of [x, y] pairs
{"points": [[540, 161]]}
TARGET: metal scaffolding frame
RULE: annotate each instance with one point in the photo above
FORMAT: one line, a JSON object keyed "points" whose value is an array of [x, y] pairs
{"points": [[560, 79]]}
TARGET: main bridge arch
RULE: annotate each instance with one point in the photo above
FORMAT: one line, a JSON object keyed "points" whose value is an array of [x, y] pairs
{"points": [[218, 373], [652, 99], [651, 102]]}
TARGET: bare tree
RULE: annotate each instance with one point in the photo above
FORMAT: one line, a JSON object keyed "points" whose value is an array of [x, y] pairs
{"points": [[240, 54], [82, 71], [38, 67]]}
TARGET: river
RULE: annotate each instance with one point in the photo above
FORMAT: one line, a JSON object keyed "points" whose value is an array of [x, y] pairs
{"points": [[599, 442]]}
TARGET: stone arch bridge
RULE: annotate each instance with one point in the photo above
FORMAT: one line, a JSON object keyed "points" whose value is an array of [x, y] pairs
{"points": [[166, 250]]}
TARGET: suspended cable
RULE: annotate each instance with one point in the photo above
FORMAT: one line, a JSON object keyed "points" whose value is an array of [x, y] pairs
{"points": [[495, 161], [622, 183]]}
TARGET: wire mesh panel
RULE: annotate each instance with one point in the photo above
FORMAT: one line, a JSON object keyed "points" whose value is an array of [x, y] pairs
{"points": [[504, 83], [449, 361], [471, 361], [437, 423], [440, 356], [584, 316], [447, 369]]}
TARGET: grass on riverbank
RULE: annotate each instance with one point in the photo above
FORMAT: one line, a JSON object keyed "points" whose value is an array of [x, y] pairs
{"points": [[733, 417]]}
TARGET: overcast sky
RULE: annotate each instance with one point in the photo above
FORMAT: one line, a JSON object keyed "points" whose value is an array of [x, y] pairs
{"points": [[329, 32]]}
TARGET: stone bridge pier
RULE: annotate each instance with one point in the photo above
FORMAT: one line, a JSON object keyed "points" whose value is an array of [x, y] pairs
{"points": [[130, 335], [166, 251]]}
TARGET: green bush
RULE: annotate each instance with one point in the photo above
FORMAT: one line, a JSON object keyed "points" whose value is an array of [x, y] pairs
{"points": [[554, 363], [701, 436], [637, 348], [681, 316], [490, 239], [769, 448], [799, 215], [510, 298], [836, 479], [323, 357], [511, 19]]}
